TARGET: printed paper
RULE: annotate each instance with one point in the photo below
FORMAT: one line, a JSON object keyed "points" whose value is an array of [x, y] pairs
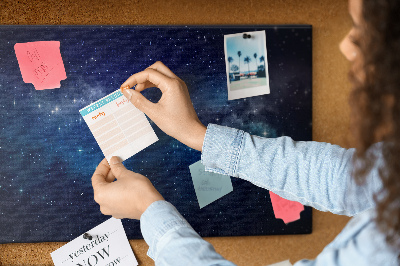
{"points": [[209, 186], [109, 246], [41, 64], [118, 126]]}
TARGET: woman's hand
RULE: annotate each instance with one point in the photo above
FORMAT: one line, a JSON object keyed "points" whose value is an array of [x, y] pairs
{"points": [[173, 113], [128, 196]]}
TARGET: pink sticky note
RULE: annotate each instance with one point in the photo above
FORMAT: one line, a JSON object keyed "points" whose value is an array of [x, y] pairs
{"points": [[41, 63], [284, 209]]}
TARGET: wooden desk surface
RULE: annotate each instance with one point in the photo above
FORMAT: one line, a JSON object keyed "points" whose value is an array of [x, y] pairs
{"points": [[330, 21]]}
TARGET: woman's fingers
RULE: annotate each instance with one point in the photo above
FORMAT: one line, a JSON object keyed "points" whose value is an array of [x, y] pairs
{"points": [[160, 67], [142, 86], [100, 174], [110, 177], [149, 75]]}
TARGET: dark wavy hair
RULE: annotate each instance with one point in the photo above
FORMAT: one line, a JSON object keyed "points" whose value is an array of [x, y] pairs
{"points": [[375, 104]]}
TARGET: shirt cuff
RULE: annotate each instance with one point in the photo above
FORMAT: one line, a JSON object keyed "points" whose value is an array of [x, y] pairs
{"points": [[158, 219], [221, 149]]}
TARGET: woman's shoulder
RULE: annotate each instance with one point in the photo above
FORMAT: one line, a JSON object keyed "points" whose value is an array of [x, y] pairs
{"points": [[362, 240]]}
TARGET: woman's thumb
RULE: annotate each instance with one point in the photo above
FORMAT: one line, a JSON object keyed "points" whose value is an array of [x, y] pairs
{"points": [[138, 100], [117, 167]]}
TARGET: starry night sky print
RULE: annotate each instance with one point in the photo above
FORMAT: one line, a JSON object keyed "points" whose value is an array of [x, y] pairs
{"points": [[48, 153]]}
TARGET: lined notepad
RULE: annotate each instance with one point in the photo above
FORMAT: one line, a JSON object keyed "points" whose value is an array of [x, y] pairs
{"points": [[118, 126]]}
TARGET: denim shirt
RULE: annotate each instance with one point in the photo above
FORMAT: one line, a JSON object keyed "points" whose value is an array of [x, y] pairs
{"points": [[312, 173]]}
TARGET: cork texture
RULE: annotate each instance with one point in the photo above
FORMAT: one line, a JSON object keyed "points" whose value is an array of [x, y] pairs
{"points": [[330, 21]]}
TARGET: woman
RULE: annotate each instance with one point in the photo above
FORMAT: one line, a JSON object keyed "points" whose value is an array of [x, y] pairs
{"points": [[327, 174]]}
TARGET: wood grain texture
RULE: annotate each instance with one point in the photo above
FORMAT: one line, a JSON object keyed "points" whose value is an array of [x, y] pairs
{"points": [[330, 21]]}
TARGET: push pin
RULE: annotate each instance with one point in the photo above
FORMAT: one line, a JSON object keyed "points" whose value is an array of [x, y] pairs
{"points": [[88, 236], [246, 36]]}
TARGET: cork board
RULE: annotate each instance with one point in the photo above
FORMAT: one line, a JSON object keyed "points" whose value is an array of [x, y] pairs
{"points": [[330, 91], [46, 136]]}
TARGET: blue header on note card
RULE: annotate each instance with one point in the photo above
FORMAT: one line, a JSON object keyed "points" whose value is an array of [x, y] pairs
{"points": [[94, 106]]}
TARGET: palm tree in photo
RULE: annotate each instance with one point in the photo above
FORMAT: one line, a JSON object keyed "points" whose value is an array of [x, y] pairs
{"points": [[239, 54], [262, 59], [247, 60], [262, 70], [234, 68], [255, 58], [230, 60]]}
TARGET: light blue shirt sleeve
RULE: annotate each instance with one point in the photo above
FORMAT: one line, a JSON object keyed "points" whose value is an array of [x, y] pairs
{"points": [[172, 241], [312, 173]]}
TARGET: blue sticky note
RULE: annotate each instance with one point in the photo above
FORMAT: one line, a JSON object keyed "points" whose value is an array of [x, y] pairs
{"points": [[209, 186]]}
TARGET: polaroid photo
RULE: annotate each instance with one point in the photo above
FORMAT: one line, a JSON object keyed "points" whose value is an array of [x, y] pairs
{"points": [[246, 64]]}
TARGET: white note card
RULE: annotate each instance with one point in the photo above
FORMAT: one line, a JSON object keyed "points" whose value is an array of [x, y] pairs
{"points": [[118, 126], [108, 247], [282, 263]]}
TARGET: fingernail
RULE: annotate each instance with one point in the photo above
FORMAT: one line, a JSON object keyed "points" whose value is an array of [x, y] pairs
{"points": [[124, 88], [127, 93], [115, 160]]}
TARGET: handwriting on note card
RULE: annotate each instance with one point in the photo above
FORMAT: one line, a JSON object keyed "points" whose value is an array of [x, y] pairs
{"points": [[288, 211], [209, 186], [41, 63]]}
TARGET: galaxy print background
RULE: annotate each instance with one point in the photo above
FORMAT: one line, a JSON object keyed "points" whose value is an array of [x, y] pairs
{"points": [[48, 153]]}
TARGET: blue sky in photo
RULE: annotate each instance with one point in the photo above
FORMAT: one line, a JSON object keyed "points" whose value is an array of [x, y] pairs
{"points": [[248, 47]]}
